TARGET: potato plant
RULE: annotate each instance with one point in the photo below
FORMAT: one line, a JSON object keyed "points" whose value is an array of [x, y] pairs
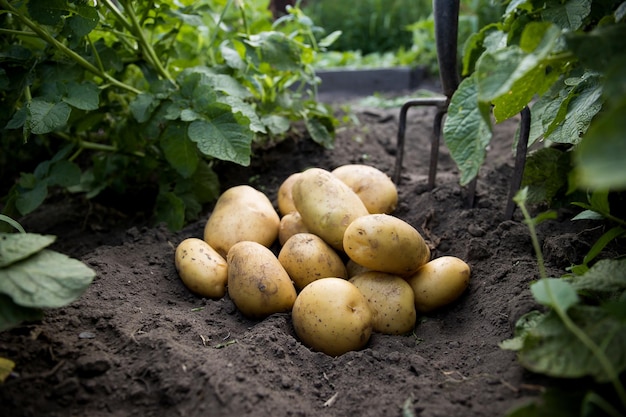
{"points": [[110, 97], [342, 272]]}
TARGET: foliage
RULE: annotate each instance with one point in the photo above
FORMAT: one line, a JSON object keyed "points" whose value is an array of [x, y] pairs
{"points": [[33, 277], [118, 96], [581, 334], [564, 60]]}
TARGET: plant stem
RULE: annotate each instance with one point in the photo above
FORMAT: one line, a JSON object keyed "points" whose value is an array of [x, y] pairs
{"points": [[567, 321], [217, 29], [145, 45]]}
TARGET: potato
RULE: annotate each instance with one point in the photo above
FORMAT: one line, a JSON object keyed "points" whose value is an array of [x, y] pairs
{"points": [[290, 224], [306, 258], [241, 213], [374, 187], [331, 315], [326, 204], [257, 282], [391, 300], [381, 242], [285, 197], [439, 283], [201, 268]]}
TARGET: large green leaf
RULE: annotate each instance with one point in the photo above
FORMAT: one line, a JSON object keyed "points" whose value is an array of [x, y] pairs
{"points": [[180, 152], [83, 96], [277, 49], [551, 349], [568, 15], [18, 246], [46, 279], [46, 117], [511, 76], [48, 12], [223, 135], [170, 209], [607, 276], [555, 293], [466, 130], [84, 19]]}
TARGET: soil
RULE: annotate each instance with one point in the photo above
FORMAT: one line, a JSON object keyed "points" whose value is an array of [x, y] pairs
{"points": [[139, 343]]}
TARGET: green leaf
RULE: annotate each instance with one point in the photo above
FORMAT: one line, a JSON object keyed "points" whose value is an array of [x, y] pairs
{"points": [[142, 106], [551, 349], [180, 152], [170, 210], [598, 48], [588, 215], [276, 124], [46, 279], [83, 96], [318, 129], [568, 15], [247, 110], [64, 173], [45, 117], [600, 158], [282, 52], [48, 12], [584, 101], [18, 246], [555, 293], [607, 276], [466, 130], [29, 200], [545, 174], [510, 77], [223, 136], [84, 20], [12, 315]]}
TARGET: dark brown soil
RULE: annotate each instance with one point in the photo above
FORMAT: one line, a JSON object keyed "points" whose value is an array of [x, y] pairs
{"points": [[139, 343]]}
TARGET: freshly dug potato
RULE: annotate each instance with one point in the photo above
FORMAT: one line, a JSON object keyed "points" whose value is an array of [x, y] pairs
{"points": [[285, 197], [257, 282], [201, 268], [391, 300], [439, 283], [331, 315], [241, 213], [374, 187], [306, 258], [290, 224], [326, 204], [381, 242]]}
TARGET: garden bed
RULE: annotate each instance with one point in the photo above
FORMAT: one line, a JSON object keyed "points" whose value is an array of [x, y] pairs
{"points": [[139, 343]]}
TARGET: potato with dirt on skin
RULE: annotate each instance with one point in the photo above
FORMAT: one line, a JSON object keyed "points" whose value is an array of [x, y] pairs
{"points": [[374, 187], [290, 224], [257, 283], [331, 315], [391, 300], [201, 268], [241, 213], [306, 258], [326, 204], [385, 243], [439, 283], [284, 197]]}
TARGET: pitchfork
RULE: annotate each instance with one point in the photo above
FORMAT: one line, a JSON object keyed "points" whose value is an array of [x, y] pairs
{"points": [[446, 14]]}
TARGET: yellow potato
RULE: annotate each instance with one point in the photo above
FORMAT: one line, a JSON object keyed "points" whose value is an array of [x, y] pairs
{"points": [[201, 268], [241, 213], [285, 197], [326, 204], [374, 187], [439, 283], [391, 300], [290, 224], [331, 315], [381, 242], [306, 258], [257, 282]]}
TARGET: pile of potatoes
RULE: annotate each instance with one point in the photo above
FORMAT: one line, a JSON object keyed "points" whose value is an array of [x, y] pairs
{"points": [[346, 266]]}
